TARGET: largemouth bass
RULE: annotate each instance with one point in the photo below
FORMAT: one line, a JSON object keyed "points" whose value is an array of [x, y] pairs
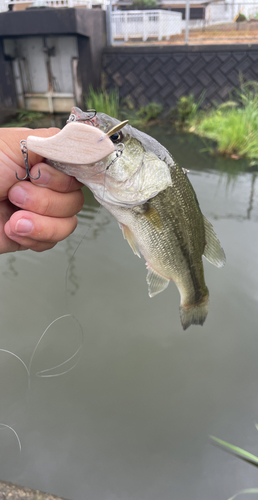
{"points": [[157, 209]]}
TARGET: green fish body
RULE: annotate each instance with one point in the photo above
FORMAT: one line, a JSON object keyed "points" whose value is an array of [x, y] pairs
{"points": [[157, 209]]}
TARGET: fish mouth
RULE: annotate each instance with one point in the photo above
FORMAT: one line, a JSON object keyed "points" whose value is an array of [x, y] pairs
{"points": [[97, 122], [90, 117], [87, 117]]}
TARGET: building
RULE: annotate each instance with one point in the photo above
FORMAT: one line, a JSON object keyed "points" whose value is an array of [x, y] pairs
{"points": [[50, 56]]}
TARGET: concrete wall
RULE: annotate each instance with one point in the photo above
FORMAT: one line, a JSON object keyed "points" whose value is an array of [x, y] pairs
{"points": [[163, 74], [33, 31], [8, 99]]}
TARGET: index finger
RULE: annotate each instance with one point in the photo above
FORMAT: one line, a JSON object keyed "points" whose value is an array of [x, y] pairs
{"points": [[54, 179]]}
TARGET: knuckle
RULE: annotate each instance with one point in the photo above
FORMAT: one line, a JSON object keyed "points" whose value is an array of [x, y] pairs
{"points": [[68, 183], [79, 200], [45, 205], [42, 248], [52, 233]]}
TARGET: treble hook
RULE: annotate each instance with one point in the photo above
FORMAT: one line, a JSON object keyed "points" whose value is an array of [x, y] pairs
{"points": [[119, 151], [24, 151], [74, 118]]}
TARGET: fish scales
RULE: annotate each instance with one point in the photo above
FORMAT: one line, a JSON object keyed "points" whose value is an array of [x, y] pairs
{"points": [[174, 251], [157, 209]]}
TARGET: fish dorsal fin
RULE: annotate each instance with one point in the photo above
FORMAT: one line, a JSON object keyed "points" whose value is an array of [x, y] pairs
{"points": [[213, 251], [156, 283], [128, 235]]}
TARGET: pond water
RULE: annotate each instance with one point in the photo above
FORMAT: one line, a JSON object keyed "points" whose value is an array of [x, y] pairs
{"points": [[131, 420]]}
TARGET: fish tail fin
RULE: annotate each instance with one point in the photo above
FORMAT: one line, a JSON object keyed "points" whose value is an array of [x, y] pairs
{"points": [[194, 314]]}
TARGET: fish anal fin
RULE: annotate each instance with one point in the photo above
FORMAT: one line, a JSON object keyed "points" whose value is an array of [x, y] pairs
{"points": [[156, 282], [128, 235], [213, 251]]}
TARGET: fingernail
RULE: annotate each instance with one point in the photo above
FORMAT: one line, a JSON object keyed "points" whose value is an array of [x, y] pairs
{"points": [[24, 226], [44, 178], [18, 196]]}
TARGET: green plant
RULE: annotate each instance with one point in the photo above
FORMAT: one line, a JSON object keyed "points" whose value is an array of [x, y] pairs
{"points": [[150, 112], [244, 455], [103, 101], [145, 4], [235, 130], [248, 93], [24, 118], [234, 124], [186, 109], [240, 18]]}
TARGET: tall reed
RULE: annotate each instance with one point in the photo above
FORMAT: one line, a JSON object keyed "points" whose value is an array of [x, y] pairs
{"points": [[103, 101]]}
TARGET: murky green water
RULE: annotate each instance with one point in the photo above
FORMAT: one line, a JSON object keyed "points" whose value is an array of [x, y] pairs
{"points": [[131, 421]]}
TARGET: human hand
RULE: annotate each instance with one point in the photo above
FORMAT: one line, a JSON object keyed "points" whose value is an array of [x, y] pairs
{"points": [[39, 213]]}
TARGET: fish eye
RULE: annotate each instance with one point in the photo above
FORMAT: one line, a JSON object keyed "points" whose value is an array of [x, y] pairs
{"points": [[117, 136]]}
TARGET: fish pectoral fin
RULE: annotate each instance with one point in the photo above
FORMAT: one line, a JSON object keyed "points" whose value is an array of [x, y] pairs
{"points": [[152, 215], [213, 251], [128, 235], [156, 283], [149, 213]]}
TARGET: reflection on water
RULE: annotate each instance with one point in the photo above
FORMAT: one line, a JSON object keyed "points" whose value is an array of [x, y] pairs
{"points": [[92, 219], [252, 196], [10, 266], [190, 150], [131, 420]]}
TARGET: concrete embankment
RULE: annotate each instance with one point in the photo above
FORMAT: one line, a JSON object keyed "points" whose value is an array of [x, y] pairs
{"points": [[16, 492]]}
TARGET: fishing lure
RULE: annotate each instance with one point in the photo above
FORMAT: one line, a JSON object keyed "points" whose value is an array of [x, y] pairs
{"points": [[78, 143]]}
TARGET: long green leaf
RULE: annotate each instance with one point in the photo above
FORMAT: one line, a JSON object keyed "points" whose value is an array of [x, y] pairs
{"points": [[250, 490], [236, 450]]}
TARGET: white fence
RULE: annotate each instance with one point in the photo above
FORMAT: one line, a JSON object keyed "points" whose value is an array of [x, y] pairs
{"points": [[145, 24]]}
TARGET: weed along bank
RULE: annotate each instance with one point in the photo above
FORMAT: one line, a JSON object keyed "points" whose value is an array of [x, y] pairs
{"points": [[49, 57]]}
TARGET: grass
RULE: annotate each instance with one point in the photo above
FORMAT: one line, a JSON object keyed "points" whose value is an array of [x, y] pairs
{"points": [[185, 110], [150, 112], [233, 125], [108, 102], [244, 455], [234, 130], [103, 101], [24, 118]]}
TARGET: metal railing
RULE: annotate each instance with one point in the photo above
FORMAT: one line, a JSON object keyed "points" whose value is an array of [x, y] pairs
{"points": [[210, 22], [145, 24]]}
